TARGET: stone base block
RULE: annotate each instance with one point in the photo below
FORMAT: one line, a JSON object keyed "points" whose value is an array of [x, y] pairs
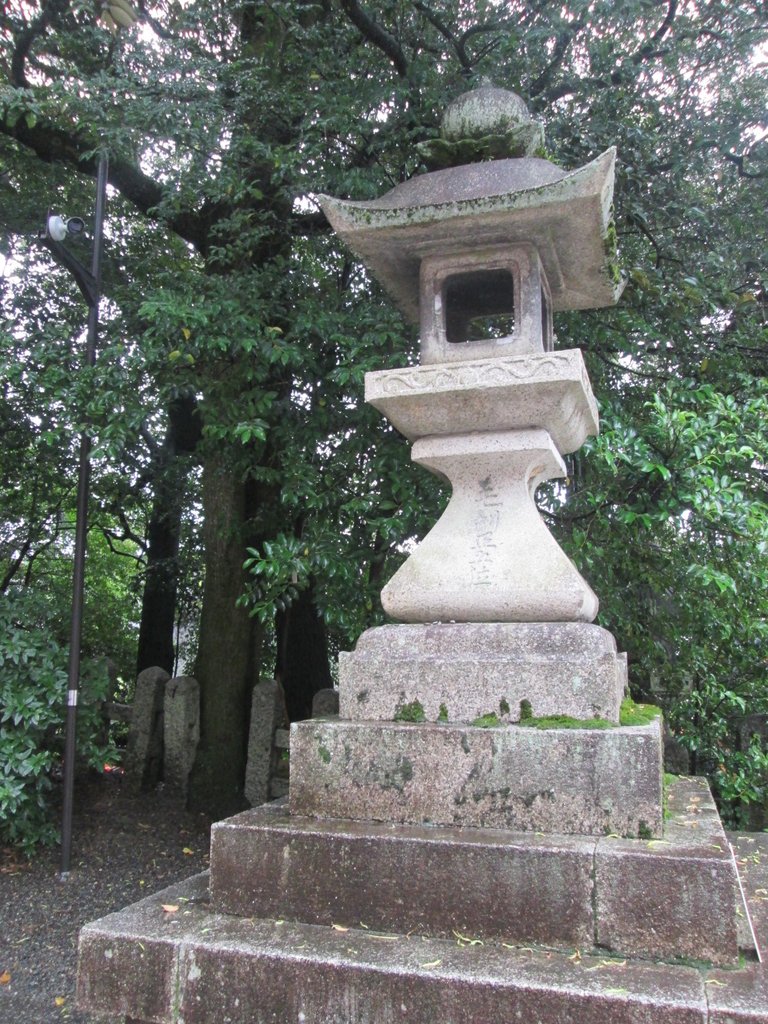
{"points": [[566, 781], [198, 967], [514, 887], [677, 897], [662, 899], [460, 671]]}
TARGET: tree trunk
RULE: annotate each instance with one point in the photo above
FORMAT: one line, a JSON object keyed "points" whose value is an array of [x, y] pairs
{"points": [[158, 604], [158, 607], [302, 655], [229, 649]]}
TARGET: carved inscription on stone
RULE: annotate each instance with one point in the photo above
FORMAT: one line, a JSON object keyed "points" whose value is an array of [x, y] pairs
{"points": [[485, 530]]}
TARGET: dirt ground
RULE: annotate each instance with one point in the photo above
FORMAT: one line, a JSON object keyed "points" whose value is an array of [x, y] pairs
{"points": [[124, 847]]}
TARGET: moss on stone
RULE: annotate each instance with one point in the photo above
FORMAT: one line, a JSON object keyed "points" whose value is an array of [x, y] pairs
{"points": [[442, 715], [489, 721], [526, 711], [630, 714], [611, 249], [638, 714], [565, 722], [413, 712], [504, 708], [325, 754]]}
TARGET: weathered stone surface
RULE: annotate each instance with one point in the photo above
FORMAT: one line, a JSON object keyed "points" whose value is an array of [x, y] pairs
{"points": [[126, 967], [751, 852], [486, 111], [509, 392], [490, 557], [500, 202], [144, 754], [181, 729], [671, 898], [741, 997], [200, 966], [569, 781], [426, 881], [738, 997], [460, 671], [267, 716], [210, 969], [325, 702]]}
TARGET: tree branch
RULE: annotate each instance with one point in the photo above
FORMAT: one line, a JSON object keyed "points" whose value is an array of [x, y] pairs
{"points": [[375, 34], [446, 33], [26, 40], [561, 48], [53, 145]]}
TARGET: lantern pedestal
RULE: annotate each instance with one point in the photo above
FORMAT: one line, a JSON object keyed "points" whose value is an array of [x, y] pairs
{"points": [[459, 672]]}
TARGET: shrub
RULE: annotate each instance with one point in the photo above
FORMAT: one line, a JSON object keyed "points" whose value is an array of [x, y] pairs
{"points": [[33, 688]]}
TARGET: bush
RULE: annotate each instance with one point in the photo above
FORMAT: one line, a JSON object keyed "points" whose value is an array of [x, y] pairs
{"points": [[33, 689]]}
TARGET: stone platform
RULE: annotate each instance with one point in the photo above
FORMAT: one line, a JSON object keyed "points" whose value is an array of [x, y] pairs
{"points": [[195, 965], [670, 898], [574, 781], [465, 670]]}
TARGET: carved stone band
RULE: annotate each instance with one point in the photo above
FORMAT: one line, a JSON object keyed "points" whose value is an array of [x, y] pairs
{"points": [[550, 391]]}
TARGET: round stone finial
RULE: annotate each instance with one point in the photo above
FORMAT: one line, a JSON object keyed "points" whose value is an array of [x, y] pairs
{"points": [[482, 112], [486, 123]]}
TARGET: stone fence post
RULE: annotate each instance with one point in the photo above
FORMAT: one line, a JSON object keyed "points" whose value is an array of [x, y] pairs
{"points": [[181, 730], [267, 716], [144, 754]]}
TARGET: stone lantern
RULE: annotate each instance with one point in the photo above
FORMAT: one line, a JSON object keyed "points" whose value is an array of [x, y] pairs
{"points": [[479, 255], [445, 854]]}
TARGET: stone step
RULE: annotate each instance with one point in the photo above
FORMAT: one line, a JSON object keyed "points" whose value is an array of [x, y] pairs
{"points": [[190, 965], [574, 781], [668, 898], [160, 966]]}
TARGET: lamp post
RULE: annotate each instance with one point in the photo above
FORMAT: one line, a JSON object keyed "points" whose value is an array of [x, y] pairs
{"points": [[58, 228]]}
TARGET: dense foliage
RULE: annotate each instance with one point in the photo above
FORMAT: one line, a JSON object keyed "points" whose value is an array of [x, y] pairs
{"points": [[226, 405], [33, 685]]}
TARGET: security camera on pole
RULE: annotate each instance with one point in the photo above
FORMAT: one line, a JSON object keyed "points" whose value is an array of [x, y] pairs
{"points": [[57, 230]]}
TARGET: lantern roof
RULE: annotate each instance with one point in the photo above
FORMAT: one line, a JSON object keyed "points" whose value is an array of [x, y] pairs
{"points": [[491, 204]]}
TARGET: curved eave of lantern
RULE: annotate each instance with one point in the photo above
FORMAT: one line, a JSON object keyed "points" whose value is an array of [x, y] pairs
{"points": [[566, 216]]}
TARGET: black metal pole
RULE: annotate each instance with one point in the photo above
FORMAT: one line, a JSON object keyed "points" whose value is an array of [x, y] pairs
{"points": [[81, 536]]}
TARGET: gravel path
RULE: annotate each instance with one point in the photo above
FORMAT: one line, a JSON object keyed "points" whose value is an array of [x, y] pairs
{"points": [[124, 848]]}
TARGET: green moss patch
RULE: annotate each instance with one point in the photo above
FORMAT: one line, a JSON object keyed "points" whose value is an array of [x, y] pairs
{"points": [[565, 722], [413, 712], [630, 714], [637, 714], [489, 721]]}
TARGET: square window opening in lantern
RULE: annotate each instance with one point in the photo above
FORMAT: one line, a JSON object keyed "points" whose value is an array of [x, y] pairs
{"points": [[479, 306]]}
